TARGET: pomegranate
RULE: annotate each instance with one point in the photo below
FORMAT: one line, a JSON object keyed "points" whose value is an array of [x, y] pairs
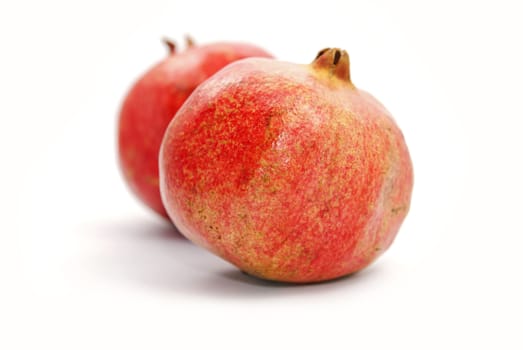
{"points": [[287, 171], [153, 101]]}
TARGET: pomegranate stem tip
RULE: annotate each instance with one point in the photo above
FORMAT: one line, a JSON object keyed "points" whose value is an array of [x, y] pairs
{"points": [[171, 45], [335, 61], [189, 41]]}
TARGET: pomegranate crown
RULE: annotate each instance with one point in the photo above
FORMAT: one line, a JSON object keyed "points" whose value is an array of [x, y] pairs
{"points": [[171, 45], [335, 61]]}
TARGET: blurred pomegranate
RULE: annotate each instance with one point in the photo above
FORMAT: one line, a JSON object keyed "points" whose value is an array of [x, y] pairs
{"points": [[154, 100]]}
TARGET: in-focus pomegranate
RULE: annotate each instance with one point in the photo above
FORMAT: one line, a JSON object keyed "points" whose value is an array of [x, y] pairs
{"points": [[153, 101], [287, 171]]}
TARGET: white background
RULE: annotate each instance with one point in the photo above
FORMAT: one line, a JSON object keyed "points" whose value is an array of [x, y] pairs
{"points": [[85, 266]]}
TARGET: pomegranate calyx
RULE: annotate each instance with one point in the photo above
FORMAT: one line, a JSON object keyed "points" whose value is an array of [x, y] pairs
{"points": [[335, 61], [171, 45], [189, 41]]}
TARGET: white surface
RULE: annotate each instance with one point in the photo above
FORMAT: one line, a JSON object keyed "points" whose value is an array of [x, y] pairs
{"points": [[85, 266]]}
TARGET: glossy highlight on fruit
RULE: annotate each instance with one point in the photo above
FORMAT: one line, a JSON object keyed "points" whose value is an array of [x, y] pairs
{"points": [[154, 100], [287, 171]]}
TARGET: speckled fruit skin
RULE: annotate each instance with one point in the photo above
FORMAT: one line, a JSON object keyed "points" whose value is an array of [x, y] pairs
{"points": [[287, 171], [154, 100]]}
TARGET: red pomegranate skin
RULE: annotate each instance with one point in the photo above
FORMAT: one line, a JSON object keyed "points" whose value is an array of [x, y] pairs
{"points": [[287, 171], [154, 100]]}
